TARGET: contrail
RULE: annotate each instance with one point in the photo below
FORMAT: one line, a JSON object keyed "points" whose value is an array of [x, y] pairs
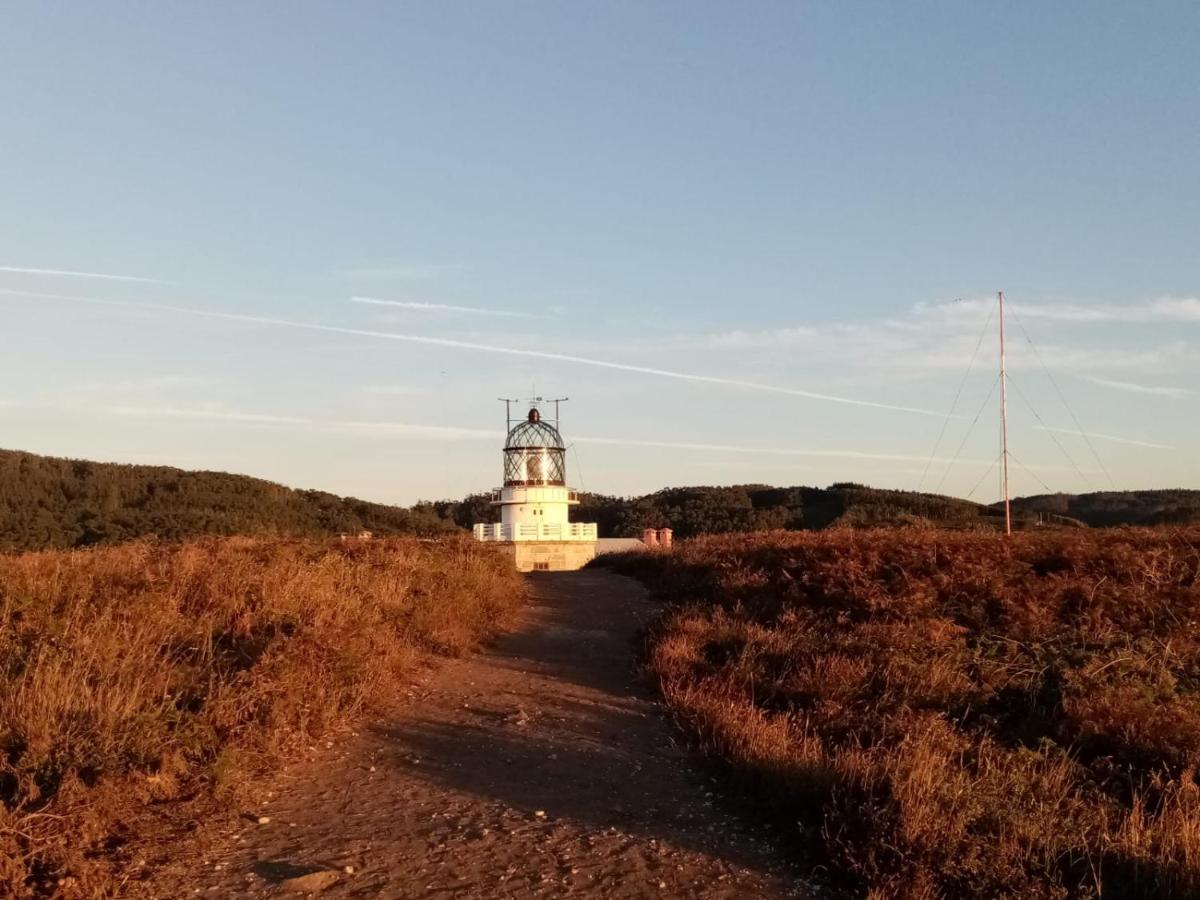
{"points": [[490, 348], [1157, 390], [239, 417], [69, 274], [1106, 437], [446, 307], [770, 451], [792, 451], [407, 429]]}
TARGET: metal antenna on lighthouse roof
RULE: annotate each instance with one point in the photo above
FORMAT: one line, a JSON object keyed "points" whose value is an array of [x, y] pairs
{"points": [[556, 401], [508, 402]]}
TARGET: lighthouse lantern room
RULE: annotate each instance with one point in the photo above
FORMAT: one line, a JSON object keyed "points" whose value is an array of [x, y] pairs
{"points": [[535, 500]]}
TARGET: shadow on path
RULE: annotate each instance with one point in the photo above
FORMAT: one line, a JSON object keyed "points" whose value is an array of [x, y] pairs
{"points": [[538, 768], [555, 718]]}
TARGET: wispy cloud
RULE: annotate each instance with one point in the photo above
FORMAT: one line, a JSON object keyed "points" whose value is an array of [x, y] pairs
{"points": [[1159, 309], [490, 348], [148, 383], [741, 339], [449, 308], [1131, 387], [934, 338], [399, 272], [65, 273], [1133, 442], [223, 415], [835, 454], [149, 388], [1177, 309], [776, 451], [394, 390]]}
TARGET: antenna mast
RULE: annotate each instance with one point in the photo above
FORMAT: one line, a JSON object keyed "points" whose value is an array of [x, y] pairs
{"points": [[1004, 419], [556, 401], [508, 402]]}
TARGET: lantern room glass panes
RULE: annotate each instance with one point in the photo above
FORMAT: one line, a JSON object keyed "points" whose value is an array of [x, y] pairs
{"points": [[534, 454], [535, 465], [534, 434]]}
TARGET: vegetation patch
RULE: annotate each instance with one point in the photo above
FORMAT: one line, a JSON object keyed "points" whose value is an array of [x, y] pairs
{"points": [[134, 679], [48, 503], [951, 714]]}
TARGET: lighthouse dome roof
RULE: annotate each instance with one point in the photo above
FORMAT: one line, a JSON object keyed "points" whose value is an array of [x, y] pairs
{"points": [[533, 432]]}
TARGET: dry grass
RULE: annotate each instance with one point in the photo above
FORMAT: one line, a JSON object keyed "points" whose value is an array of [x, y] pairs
{"points": [[138, 677], [952, 715]]}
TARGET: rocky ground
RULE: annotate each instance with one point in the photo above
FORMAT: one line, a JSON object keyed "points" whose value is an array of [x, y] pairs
{"points": [[539, 768]]}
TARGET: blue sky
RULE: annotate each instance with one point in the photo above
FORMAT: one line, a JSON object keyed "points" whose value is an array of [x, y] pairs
{"points": [[752, 242]]}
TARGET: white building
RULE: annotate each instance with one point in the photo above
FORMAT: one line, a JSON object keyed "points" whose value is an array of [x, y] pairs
{"points": [[535, 500]]}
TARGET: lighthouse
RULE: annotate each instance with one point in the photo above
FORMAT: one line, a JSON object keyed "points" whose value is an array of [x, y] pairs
{"points": [[535, 499]]}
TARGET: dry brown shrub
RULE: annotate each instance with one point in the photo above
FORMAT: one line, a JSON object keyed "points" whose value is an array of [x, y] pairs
{"points": [[952, 714], [135, 678]]}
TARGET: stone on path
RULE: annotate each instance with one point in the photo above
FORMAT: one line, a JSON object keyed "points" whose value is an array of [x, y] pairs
{"points": [[310, 883]]}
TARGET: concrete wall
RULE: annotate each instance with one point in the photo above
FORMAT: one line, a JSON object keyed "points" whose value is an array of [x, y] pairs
{"points": [[618, 545], [551, 556]]}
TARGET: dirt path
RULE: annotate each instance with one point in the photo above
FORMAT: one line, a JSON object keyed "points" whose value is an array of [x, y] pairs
{"points": [[539, 768]]}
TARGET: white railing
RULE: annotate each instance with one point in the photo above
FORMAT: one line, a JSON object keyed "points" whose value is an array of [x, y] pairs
{"points": [[496, 496], [537, 531]]}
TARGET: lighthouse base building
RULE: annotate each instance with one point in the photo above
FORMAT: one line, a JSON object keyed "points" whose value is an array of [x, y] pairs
{"points": [[534, 524]]}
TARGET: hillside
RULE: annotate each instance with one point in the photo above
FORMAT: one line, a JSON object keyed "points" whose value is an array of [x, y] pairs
{"points": [[974, 717], [47, 503], [692, 511], [145, 686], [1108, 508]]}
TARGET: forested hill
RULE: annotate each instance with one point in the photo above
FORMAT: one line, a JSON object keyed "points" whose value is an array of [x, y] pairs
{"points": [[708, 510], [1107, 508], [47, 502]]}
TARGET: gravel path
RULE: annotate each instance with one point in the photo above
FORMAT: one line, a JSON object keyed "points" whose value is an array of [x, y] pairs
{"points": [[538, 768]]}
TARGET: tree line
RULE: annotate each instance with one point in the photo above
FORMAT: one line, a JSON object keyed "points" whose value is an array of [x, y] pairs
{"points": [[691, 511], [47, 502], [56, 503]]}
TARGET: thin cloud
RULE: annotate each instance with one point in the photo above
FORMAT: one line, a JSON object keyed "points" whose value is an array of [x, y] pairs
{"points": [[394, 390], [150, 382], [1155, 390], [1106, 437], [450, 308], [218, 415], [740, 339], [65, 273], [489, 348], [414, 271], [941, 337], [222, 415], [775, 451], [1160, 309], [1177, 309], [793, 451]]}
